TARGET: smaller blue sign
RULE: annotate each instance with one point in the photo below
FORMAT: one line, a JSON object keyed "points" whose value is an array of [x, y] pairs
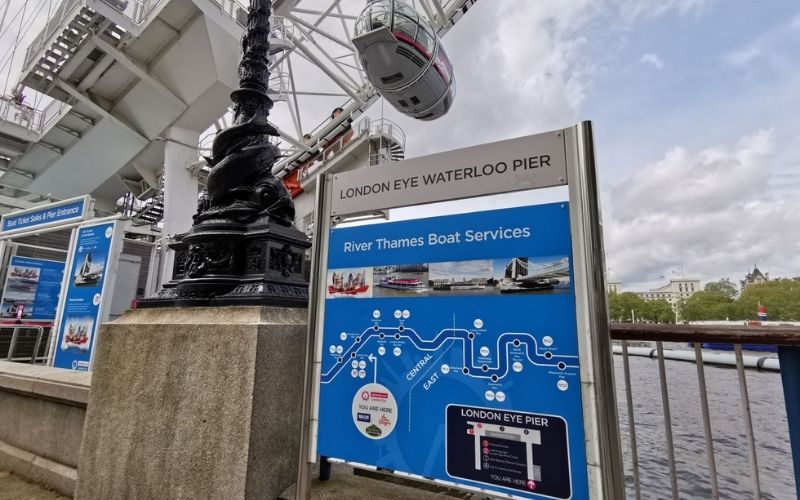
{"points": [[34, 285], [84, 296], [64, 211]]}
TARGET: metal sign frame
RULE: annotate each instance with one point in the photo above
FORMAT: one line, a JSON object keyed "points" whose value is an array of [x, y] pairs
{"points": [[601, 431]]}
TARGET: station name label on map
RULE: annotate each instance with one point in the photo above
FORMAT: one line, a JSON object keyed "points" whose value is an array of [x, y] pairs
{"points": [[530, 162]]}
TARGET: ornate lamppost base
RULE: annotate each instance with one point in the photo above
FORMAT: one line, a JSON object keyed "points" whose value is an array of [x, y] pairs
{"points": [[222, 262]]}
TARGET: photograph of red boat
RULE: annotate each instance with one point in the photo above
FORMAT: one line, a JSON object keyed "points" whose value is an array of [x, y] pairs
{"points": [[78, 334], [350, 283]]}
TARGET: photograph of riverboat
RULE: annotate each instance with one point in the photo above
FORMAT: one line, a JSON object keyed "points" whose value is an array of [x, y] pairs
{"points": [[548, 274], [466, 277], [20, 290], [401, 280], [350, 283]]}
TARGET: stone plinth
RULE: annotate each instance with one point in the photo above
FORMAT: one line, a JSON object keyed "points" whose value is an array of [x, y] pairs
{"points": [[195, 403]]}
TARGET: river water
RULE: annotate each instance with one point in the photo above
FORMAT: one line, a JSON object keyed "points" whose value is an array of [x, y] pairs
{"points": [[727, 424]]}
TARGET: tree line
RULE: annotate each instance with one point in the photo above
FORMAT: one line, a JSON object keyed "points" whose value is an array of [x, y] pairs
{"points": [[719, 300]]}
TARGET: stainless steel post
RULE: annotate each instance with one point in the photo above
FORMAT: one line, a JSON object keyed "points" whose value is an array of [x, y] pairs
{"points": [[701, 381], [748, 422], [662, 375], [592, 313], [13, 344], [321, 227], [631, 423]]}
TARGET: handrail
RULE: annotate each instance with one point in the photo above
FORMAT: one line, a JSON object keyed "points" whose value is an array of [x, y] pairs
{"points": [[15, 337], [20, 114], [764, 335]]}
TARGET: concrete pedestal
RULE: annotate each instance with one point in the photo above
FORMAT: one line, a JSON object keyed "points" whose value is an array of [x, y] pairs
{"points": [[195, 403]]}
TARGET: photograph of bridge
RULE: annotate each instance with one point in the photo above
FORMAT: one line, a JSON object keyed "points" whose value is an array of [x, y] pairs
{"points": [[532, 274]]}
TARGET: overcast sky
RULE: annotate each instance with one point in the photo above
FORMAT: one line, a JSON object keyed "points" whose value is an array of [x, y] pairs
{"points": [[695, 106]]}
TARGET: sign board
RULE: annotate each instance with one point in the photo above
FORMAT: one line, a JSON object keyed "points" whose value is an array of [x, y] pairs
{"points": [[94, 254], [458, 332], [72, 210], [524, 163], [35, 285], [471, 349]]}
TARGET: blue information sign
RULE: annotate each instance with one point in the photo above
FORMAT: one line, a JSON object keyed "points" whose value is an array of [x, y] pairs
{"points": [[450, 351], [46, 215], [34, 285], [82, 307]]}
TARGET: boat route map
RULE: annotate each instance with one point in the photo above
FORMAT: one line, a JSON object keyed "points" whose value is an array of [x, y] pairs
{"points": [[475, 387]]}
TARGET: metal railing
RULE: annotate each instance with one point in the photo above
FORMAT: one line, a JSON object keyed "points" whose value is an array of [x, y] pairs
{"points": [[14, 341], [788, 340], [382, 128], [20, 114], [32, 119]]}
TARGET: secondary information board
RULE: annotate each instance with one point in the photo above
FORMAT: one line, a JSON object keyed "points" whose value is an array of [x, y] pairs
{"points": [[83, 306], [34, 285], [450, 351]]}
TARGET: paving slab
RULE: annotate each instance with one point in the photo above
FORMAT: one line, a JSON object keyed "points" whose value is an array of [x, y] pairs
{"points": [[13, 487]]}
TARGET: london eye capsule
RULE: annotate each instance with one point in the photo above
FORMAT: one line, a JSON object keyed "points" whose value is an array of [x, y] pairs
{"points": [[404, 59]]}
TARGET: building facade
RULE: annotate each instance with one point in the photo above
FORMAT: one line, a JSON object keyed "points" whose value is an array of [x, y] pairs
{"points": [[754, 278], [673, 292]]}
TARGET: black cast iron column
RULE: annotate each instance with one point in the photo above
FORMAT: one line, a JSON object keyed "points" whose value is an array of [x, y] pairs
{"points": [[241, 248]]}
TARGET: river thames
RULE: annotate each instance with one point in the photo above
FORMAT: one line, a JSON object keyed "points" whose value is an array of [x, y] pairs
{"points": [[727, 424]]}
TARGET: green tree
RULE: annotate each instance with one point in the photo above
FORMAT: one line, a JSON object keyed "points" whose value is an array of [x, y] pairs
{"points": [[659, 311], [780, 297], [620, 306], [724, 287], [709, 305]]}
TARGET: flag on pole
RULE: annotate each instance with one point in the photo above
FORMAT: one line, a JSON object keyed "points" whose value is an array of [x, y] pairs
{"points": [[762, 312]]}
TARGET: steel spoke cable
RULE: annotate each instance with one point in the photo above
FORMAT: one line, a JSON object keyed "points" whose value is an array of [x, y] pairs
{"points": [[14, 48], [11, 21], [8, 54], [46, 23]]}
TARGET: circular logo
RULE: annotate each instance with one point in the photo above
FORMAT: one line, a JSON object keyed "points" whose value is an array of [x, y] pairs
{"points": [[406, 314], [517, 366], [562, 385], [376, 314], [398, 314], [397, 351], [381, 350], [489, 396], [484, 351], [74, 364], [354, 363], [109, 231], [500, 396], [547, 340], [332, 349], [478, 323], [445, 369], [343, 335], [96, 299], [339, 349], [374, 411]]}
